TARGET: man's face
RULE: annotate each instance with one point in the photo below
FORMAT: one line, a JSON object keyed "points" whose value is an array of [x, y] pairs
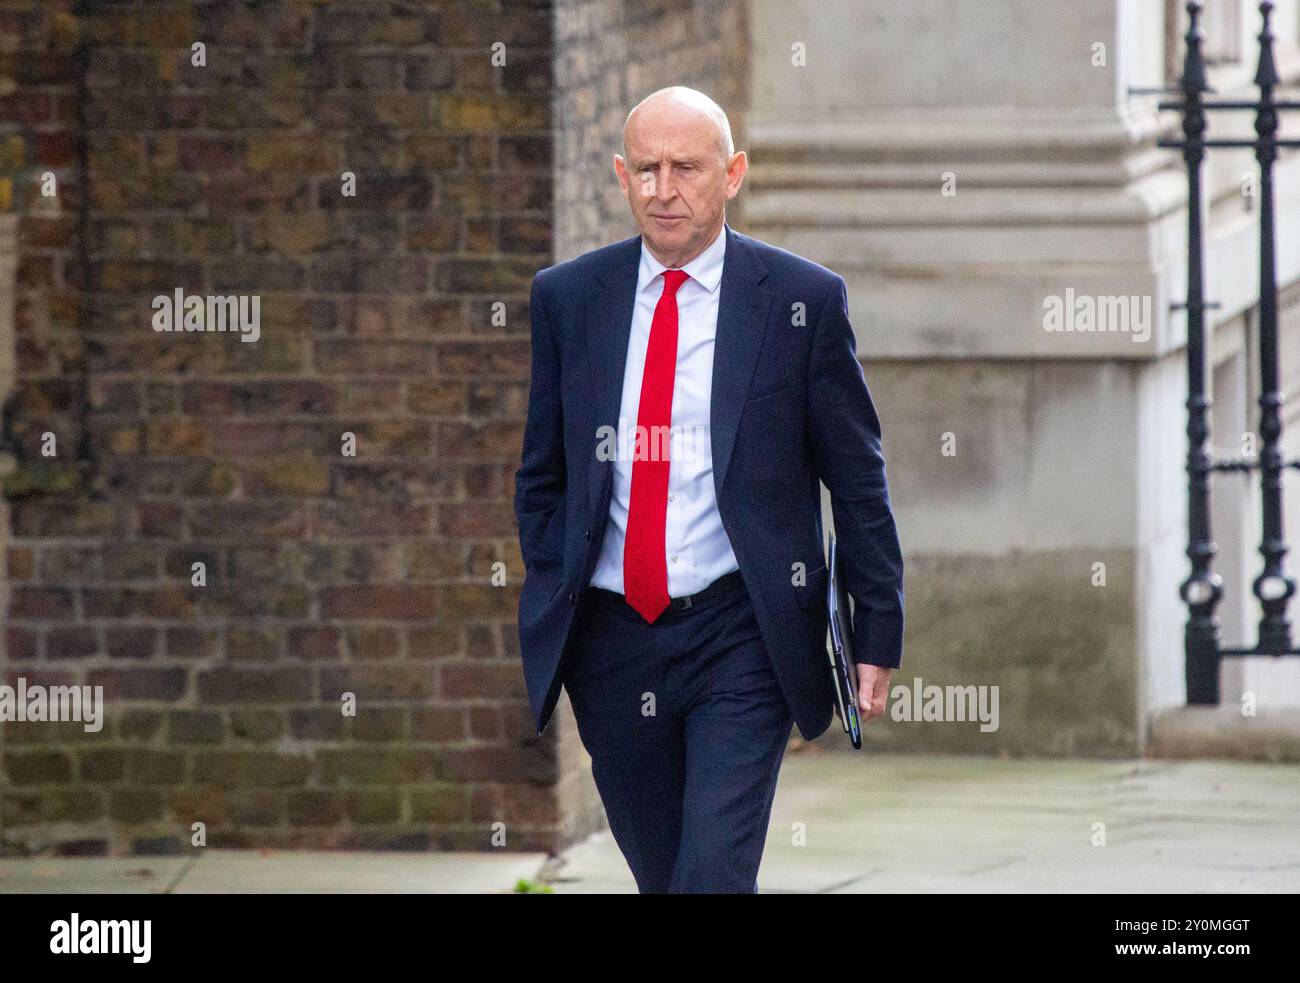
{"points": [[677, 180]]}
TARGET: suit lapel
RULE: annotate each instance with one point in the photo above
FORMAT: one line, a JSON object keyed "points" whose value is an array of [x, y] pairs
{"points": [[609, 324], [743, 306], [742, 323]]}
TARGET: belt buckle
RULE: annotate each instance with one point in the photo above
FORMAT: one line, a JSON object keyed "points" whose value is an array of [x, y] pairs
{"points": [[687, 601]]}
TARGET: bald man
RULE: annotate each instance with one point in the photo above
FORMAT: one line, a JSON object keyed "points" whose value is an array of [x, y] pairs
{"points": [[691, 389]]}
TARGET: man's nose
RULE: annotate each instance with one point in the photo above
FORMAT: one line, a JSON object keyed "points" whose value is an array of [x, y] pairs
{"points": [[664, 189]]}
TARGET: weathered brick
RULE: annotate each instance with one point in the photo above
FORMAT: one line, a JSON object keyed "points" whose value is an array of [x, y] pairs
{"points": [[442, 723], [476, 521], [190, 643], [130, 561], [317, 724], [163, 602], [21, 563], [354, 519], [379, 766], [379, 724], [392, 481], [314, 807], [132, 642], [139, 724], [442, 397], [227, 685], [507, 359], [325, 574], [484, 721], [434, 642], [40, 603], [500, 764], [250, 769], [479, 438], [370, 806], [133, 804], [71, 643], [483, 601], [257, 724], [314, 642], [76, 804], [150, 767], [37, 767], [140, 683], [255, 807], [195, 727], [439, 803], [380, 602], [222, 521], [21, 644], [283, 153], [485, 111], [253, 643], [475, 679], [379, 682], [367, 643]]}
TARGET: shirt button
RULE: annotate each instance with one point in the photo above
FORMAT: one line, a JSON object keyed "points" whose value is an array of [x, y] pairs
{"points": [[674, 558], [672, 498]]}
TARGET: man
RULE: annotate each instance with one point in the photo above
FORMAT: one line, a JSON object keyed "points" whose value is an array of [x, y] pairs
{"points": [[690, 387]]}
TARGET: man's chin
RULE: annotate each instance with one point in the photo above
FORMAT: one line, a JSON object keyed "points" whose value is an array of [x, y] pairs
{"points": [[662, 241]]}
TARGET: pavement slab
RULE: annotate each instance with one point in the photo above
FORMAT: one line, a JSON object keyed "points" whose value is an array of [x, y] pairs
{"points": [[847, 823], [866, 823]]}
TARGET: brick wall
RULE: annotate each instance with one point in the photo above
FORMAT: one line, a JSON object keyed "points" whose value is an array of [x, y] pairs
{"points": [[326, 574]]}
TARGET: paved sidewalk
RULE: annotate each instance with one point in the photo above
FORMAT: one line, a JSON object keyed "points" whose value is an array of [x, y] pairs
{"points": [[899, 823], [868, 822], [274, 872]]}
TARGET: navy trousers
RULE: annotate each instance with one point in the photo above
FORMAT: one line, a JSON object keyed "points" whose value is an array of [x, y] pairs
{"points": [[686, 727]]}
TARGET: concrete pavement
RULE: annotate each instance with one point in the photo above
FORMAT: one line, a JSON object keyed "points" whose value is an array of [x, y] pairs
{"points": [[858, 822], [851, 823]]}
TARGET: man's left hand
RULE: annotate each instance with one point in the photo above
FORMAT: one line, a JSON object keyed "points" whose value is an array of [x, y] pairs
{"points": [[873, 687]]}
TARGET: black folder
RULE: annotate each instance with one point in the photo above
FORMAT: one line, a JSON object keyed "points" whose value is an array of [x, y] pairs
{"points": [[840, 651]]}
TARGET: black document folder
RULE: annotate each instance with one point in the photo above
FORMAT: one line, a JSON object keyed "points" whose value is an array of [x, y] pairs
{"points": [[840, 651]]}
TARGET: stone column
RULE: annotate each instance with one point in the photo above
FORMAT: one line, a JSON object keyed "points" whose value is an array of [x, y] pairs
{"points": [[966, 166]]}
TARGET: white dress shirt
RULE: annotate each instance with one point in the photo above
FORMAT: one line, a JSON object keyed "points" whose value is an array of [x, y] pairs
{"points": [[696, 546]]}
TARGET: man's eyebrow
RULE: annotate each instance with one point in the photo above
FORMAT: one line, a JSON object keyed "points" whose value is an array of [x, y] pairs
{"points": [[642, 161]]}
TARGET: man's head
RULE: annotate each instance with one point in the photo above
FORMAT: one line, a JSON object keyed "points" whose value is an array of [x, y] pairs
{"points": [[678, 170]]}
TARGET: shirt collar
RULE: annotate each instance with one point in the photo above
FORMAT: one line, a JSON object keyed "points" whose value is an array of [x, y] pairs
{"points": [[705, 269]]}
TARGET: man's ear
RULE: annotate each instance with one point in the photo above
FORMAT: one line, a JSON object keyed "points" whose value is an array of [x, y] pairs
{"points": [[620, 168], [736, 168]]}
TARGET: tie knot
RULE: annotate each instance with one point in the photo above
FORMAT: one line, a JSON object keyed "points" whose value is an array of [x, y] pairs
{"points": [[674, 279]]}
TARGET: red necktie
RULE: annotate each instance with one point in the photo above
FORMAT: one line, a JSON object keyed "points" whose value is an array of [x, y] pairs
{"points": [[645, 571]]}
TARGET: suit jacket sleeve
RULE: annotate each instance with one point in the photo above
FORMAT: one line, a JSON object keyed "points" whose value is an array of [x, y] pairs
{"points": [[844, 436], [540, 480]]}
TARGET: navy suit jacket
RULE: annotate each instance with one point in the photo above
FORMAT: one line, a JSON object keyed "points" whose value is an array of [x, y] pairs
{"points": [[789, 407]]}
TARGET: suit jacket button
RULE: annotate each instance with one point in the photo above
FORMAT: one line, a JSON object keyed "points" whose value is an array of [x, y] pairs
{"points": [[572, 597], [589, 535]]}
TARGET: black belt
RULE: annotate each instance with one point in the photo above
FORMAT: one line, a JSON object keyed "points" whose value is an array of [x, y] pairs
{"points": [[725, 584]]}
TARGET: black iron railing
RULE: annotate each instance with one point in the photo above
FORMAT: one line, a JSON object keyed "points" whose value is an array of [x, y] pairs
{"points": [[1203, 588]]}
